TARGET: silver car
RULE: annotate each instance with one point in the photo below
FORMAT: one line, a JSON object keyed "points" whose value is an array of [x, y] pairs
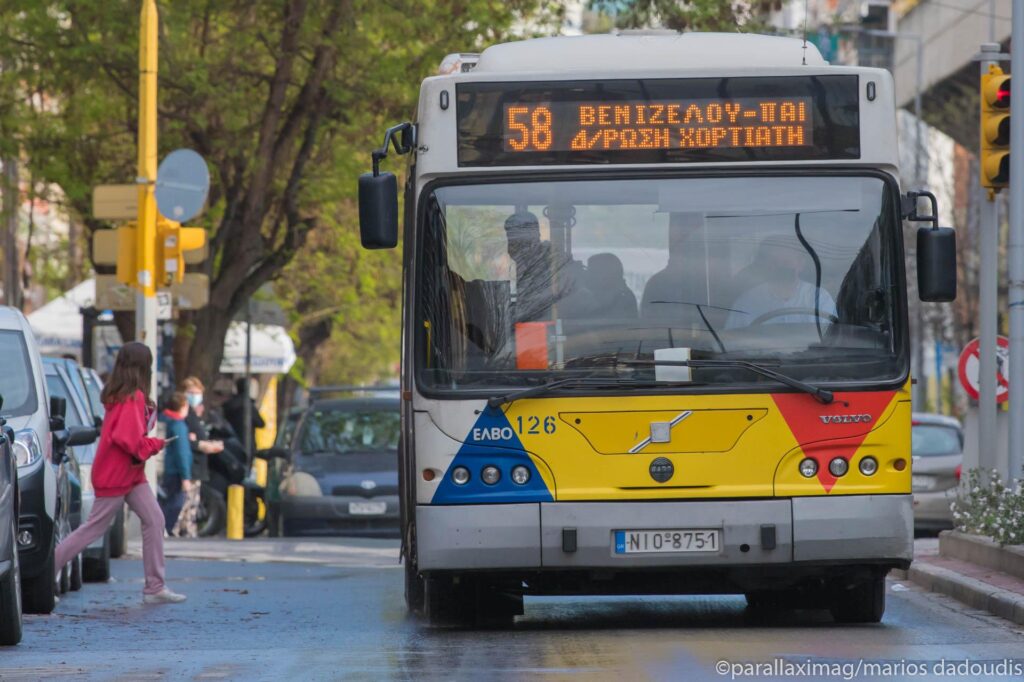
{"points": [[937, 444]]}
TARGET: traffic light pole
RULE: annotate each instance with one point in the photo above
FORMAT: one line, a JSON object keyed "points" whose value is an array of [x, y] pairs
{"points": [[145, 301], [1015, 248], [988, 303]]}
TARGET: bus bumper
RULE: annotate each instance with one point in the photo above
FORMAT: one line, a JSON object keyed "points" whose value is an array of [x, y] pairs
{"points": [[841, 528]]}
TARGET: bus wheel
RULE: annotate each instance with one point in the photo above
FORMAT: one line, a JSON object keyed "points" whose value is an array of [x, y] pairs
{"points": [[413, 587], [862, 603]]}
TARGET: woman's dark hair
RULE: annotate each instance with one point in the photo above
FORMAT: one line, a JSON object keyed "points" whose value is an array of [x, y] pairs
{"points": [[133, 371]]}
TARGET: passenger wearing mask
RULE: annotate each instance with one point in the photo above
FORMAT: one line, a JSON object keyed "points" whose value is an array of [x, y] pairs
{"points": [[177, 476], [780, 289], [202, 447], [611, 297]]}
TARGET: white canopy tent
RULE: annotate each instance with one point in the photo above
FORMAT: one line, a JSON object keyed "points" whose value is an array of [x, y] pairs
{"points": [[58, 329]]}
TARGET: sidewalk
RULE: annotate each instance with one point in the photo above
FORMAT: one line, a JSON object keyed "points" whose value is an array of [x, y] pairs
{"points": [[941, 569]]}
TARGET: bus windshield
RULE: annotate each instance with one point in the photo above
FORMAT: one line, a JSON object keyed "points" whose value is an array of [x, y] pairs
{"points": [[522, 283]]}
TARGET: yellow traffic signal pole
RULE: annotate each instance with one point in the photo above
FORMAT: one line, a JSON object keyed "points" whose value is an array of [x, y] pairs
{"points": [[145, 233]]}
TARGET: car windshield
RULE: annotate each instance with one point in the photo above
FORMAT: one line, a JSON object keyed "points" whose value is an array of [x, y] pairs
{"points": [[934, 440], [342, 431], [16, 386], [523, 283]]}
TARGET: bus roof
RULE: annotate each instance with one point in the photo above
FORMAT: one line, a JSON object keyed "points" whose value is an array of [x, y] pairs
{"points": [[640, 50]]}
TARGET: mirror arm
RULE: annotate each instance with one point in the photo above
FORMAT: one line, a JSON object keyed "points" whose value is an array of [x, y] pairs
{"points": [[392, 138], [910, 208]]}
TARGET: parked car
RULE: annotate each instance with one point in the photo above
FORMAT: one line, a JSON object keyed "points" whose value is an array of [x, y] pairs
{"points": [[341, 471], [10, 572], [937, 444], [63, 379], [43, 480]]}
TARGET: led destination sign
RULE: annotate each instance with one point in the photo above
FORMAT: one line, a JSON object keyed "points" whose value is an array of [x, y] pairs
{"points": [[696, 124], [777, 118]]}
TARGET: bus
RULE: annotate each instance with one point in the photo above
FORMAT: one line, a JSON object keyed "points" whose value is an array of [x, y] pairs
{"points": [[655, 330]]}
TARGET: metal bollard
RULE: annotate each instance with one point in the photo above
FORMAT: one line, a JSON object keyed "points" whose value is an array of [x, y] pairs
{"points": [[236, 512]]}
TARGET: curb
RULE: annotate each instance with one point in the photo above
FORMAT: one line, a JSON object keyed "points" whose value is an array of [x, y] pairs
{"points": [[975, 593]]}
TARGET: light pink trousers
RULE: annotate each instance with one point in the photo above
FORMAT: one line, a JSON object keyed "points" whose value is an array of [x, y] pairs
{"points": [[142, 501]]}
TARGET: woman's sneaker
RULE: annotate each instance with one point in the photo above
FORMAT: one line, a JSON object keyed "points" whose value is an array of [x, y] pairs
{"points": [[164, 596]]}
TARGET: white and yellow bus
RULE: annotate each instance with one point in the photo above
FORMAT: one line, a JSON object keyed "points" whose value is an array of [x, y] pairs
{"points": [[655, 325]]}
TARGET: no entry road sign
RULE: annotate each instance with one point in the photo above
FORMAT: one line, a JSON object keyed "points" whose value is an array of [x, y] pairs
{"points": [[970, 364]]}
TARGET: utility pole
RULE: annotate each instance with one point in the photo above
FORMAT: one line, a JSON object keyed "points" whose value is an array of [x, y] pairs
{"points": [[145, 233], [1015, 250]]}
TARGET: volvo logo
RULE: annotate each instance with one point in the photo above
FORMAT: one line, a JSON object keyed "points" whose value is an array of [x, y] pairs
{"points": [[368, 485], [844, 418], [662, 469]]}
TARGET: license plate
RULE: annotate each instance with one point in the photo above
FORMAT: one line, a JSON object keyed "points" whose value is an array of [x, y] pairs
{"points": [[922, 482], [367, 508], [667, 541]]}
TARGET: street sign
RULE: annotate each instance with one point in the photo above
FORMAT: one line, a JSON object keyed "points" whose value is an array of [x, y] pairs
{"points": [[182, 183], [115, 202], [970, 364], [164, 305], [104, 247], [113, 295], [193, 292]]}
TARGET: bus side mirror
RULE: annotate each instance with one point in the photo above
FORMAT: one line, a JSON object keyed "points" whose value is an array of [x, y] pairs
{"points": [[378, 210], [936, 264]]}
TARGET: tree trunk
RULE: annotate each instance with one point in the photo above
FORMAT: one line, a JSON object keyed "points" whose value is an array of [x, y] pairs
{"points": [[13, 294]]}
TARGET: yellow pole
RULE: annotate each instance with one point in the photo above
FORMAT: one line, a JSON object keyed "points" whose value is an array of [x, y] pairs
{"points": [[236, 512], [145, 302]]}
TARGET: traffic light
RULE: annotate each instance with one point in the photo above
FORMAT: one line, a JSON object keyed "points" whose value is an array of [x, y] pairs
{"points": [[995, 129], [173, 242]]}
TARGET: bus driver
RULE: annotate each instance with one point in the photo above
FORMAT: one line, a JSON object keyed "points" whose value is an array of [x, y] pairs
{"points": [[780, 295]]}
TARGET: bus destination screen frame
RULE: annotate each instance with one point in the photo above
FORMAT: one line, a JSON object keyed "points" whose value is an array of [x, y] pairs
{"points": [[679, 120]]}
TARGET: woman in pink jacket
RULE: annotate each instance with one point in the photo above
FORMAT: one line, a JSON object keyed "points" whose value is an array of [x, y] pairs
{"points": [[118, 472]]}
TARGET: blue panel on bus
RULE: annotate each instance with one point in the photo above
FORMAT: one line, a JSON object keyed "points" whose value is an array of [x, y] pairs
{"points": [[492, 442]]}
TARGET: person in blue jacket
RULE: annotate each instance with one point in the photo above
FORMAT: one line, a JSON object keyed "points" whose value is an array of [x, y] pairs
{"points": [[177, 477]]}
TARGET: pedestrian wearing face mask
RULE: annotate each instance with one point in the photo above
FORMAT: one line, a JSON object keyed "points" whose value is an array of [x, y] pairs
{"points": [[202, 448]]}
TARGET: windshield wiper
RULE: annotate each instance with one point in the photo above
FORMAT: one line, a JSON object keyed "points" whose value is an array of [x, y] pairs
{"points": [[822, 395], [593, 382]]}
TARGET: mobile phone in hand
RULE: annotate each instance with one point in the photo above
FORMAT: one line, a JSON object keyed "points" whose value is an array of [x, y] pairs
{"points": [[170, 439]]}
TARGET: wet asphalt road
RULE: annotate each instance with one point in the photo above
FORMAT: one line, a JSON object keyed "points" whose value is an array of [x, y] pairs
{"points": [[339, 615]]}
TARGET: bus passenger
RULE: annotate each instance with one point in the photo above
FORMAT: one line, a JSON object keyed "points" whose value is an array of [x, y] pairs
{"points": [[610, 295], [780, 295], [674, 293]]}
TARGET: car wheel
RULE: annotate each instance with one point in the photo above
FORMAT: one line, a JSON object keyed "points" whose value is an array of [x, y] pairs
{"points": [[212, 514], [39, 594], [10, 596], [862, 603], [98, 570], [118, 537]]}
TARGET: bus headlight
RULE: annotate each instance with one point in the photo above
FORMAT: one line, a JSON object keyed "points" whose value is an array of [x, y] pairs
{"points": [[808, 468], [490, 475], [460, 475], [27, 449], [838, 467], [520, 475], [868, 466]]}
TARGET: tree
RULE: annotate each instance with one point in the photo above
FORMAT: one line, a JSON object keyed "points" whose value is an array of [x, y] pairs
{"points": [[687, 15], [282, 97]]}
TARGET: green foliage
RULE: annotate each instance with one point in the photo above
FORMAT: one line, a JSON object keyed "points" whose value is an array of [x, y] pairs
{"points": [[985, 505], [284, 98], [686, 15]]}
